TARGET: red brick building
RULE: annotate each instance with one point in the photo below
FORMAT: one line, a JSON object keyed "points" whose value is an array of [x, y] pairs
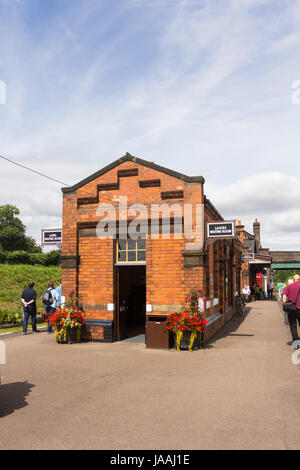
{"points": [[121, 282]]}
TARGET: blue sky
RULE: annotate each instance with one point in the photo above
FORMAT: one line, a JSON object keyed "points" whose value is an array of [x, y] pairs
{"points": [[202, 87]]}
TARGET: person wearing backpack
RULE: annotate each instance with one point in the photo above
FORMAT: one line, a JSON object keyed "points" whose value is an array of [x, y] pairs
{"points": [[50, 298]]}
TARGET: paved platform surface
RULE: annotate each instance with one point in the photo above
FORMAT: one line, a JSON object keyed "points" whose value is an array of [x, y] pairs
{"points": [[240, 392]]}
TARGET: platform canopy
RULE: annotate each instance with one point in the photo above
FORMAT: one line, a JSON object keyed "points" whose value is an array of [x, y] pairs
{"points": [[260, 261], [285, 265]]}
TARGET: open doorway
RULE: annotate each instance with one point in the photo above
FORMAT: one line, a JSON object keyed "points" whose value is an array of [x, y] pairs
{"points": [[131, 301]]}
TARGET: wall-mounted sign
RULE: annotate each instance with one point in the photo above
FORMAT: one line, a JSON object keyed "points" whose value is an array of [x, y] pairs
{"points": [[51, 236], [247, 256], [221, 229]]}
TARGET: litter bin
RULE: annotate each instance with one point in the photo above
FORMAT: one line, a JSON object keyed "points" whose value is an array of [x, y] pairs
{"points": [[157, 333]]}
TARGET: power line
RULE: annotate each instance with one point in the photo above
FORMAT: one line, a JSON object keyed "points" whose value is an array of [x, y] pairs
{"points": [[33, 171], [48, 177]]}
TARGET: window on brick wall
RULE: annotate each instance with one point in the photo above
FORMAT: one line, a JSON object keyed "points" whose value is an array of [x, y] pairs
{"points": [[131, 251]]}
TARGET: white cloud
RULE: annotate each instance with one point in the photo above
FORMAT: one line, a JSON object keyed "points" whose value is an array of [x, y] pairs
{"points": [[272, 198], [200, 87], [267, 193]]}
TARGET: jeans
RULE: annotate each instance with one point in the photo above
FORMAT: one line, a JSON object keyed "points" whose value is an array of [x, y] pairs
{"points": [[27, 313], [270, 294], [49, 310], [293, 317]]}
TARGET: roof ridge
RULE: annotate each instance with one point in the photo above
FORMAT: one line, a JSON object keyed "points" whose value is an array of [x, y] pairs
{"points": [[140, 161]]}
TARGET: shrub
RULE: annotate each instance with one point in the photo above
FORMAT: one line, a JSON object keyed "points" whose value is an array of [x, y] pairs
{"points": [[38, 258], [24, 257], [3, 256], [52, 258], [10, 317], [19, 257]]}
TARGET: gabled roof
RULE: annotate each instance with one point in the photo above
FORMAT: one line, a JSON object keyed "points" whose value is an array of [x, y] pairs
{"points": [[131, 158]]}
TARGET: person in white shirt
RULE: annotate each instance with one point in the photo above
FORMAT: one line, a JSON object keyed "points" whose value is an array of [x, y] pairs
{"points": [[246, 293]]}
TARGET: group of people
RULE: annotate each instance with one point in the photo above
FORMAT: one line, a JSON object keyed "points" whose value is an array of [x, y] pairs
{"points": [[255, 292], [250, 293], [291, 292], [28, 300]]}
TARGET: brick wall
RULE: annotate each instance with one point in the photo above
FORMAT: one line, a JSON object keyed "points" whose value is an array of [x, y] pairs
{"points": [[88, 262]]}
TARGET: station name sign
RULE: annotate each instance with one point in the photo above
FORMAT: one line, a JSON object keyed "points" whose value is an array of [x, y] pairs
{"points": [[221, 229], [247, 256], [51, 237]]}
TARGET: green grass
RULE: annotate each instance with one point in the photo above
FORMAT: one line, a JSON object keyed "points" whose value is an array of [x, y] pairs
{"points": [[14, 279], [20, 328]]}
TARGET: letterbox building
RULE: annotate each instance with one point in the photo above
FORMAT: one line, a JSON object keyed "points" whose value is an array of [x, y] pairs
{"points": [[124, 282]]}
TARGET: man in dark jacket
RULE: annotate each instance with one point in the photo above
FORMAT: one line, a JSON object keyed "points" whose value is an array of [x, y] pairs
{"points": [[29, 306]]}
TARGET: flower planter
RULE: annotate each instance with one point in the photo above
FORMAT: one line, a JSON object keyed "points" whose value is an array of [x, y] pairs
{"points": [[67, 323], [185, 341], [70, 336]]}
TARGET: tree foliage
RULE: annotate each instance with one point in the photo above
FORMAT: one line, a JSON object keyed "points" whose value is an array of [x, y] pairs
{"points": [[283, 275]]}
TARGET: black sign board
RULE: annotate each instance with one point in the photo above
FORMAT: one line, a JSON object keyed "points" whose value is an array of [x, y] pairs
{"points": [[51, 237], [221, 229], [247, 256]]}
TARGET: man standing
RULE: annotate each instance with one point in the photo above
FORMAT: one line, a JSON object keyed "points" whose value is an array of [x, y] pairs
{"points": [[280, 287], [290, 293], [29, 306], [51, 307], [58, 290], [271, 287]]}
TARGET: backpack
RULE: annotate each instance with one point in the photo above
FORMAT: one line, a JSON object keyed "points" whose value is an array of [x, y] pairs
{"points": [[47, 297]]}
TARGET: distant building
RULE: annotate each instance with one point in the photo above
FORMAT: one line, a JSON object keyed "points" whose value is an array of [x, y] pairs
{"points": [[259, 264], [256, 267]]}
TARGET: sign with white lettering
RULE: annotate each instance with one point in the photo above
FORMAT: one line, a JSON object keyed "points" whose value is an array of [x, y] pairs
{"points": [[51, 236], [221, 229], [247, 256]]}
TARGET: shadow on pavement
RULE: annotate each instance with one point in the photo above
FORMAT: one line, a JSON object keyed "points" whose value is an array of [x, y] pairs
{"points": [[229, 329], [13, 397]]}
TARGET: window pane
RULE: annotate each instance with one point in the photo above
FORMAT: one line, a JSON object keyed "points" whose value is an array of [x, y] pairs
{"points": [[122, 256], [141, 255], [141, 244], [122, 244], [131, 255], [131, 244]]}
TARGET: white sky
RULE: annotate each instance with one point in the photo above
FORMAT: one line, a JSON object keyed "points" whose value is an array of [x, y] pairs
{"points": [[201, 87]]}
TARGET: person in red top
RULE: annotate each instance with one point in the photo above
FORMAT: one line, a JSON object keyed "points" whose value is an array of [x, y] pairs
{"points": [[290, 293]]}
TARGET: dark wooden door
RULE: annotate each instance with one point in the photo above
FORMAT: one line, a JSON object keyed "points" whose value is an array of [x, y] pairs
{"points": [[121, 319]]}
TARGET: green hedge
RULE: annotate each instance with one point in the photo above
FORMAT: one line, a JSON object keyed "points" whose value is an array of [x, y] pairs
{"points": [[23, 257], [7, 317]]}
